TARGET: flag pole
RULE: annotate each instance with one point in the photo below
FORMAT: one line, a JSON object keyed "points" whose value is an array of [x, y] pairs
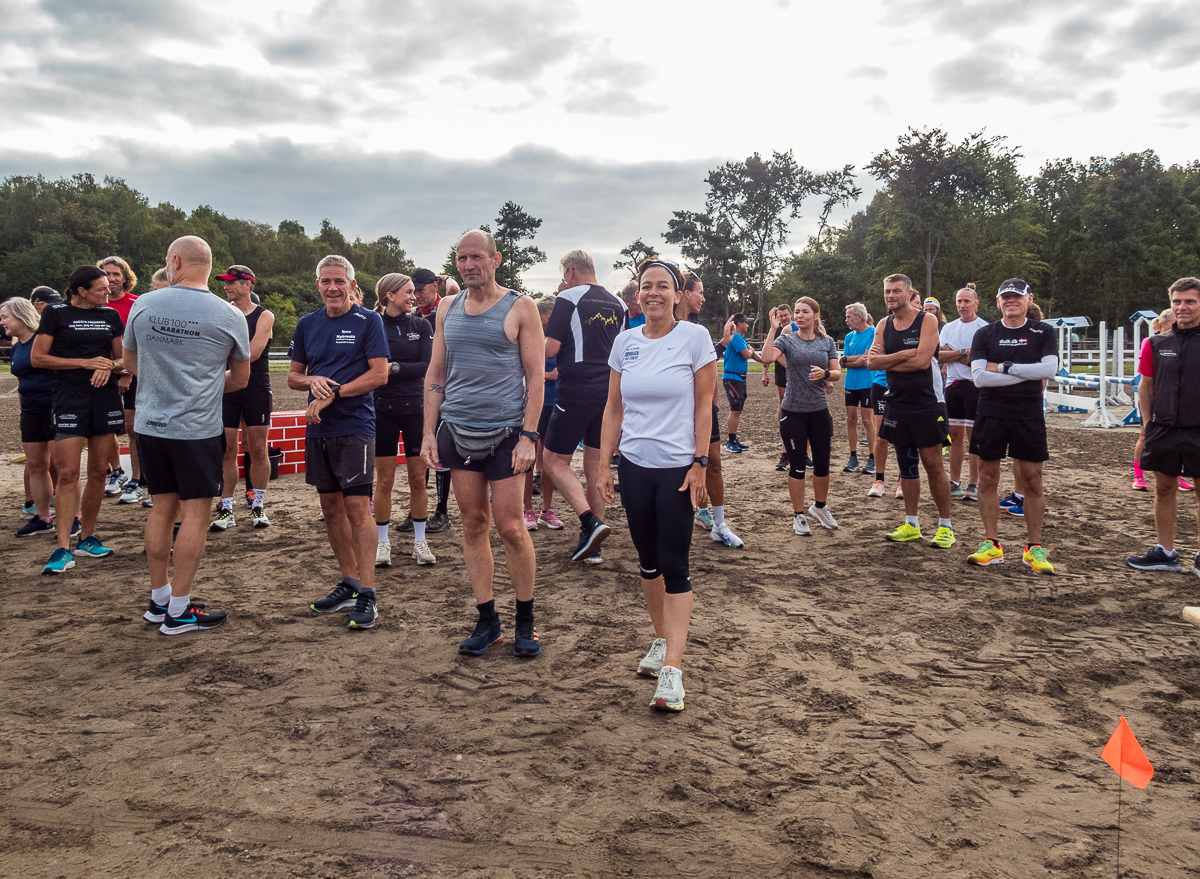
{"points": [[1119, 786]]}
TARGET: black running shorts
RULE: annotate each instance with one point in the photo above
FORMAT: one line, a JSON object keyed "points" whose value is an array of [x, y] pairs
{"points": [[192, 469], [878, 400], [1024, 439], [715, 431], [129, 397], [735, 393], [81, 410], [572, 422], [962, 397], [340, 463], [916, 429], [494, 467], [859, 398], [1172, 451], [396, 417], [37, 425], [251, 405]]}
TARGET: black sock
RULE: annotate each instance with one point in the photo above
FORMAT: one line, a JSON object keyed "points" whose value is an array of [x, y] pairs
{"points": [[585, 519], [487, 610], [733, 437], [820, 505], [443, 490], [525, 609]]}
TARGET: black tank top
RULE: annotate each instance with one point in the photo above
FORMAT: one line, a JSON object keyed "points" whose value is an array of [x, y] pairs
{"points": [[260, 369], [910, 390]]}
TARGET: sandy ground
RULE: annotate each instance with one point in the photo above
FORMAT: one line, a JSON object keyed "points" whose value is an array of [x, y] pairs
{"points": [[854, 708]]}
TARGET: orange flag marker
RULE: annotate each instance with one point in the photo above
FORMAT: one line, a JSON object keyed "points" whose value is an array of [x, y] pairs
{"points": [[1126, 757]]}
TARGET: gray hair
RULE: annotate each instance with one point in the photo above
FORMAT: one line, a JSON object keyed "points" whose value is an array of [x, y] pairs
{"points": [[859, 309], [970, 288], [579, 261], [23, 310], [545, 304], [333, 260]]}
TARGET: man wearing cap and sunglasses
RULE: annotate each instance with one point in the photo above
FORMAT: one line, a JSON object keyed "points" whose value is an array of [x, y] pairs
{"points": [[249, 408], [1009, 361]]}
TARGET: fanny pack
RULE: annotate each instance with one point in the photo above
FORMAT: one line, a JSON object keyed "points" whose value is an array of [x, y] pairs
{"points": [[473, 443]]}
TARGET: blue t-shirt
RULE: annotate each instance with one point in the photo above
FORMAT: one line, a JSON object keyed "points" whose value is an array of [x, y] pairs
{"points": [[550, 396], [735, 363], [35, 385], [860, 343], [339, 349], [639, 321]]}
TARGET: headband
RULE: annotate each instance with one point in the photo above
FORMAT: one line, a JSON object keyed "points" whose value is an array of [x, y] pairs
{"points": [[670, 267]]}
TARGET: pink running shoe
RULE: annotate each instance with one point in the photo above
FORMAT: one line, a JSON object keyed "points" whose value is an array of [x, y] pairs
{"points": [[550, 519], [899, 490], [1139, 481], [876, 489], [1184, 485], [531, 520]]}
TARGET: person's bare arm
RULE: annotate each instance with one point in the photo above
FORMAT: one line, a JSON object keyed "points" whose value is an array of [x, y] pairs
{"points": [[1146, 398], [916, 359], [610, 434], [41, 357], [705, 383], [262, 335], [533, 345], [237, 376], [299, 380], [553, 346]]}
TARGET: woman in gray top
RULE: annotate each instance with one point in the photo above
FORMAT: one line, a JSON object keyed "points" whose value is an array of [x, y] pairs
{"points": [[811, 360]]}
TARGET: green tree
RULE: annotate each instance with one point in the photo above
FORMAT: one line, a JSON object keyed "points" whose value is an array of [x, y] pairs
{"points": [[718, 258], [513, 226], [635, 254]]}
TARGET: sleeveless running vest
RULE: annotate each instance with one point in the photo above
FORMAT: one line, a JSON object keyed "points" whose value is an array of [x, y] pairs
{"points": [[909, 390], [1176, 378], [260, 369], [485, 381]]}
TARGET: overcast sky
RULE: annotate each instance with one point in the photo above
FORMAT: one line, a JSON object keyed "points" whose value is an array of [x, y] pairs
{"points": [[420, 118]]}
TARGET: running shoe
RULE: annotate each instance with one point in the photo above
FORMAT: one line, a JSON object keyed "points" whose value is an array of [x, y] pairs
{"points": [[900, 489], [157, 613], [823, 515], [407, 524], [93, 548], [1035, 557], [76, 526], [36, 525], [1196, 565], [956, 490], [383, 554], [116, 481], [652, 662], [60, 560], [422, 554], [1017, 509], [745, 447], [249, 499], [148, 502], [590, 540], [869, 468], [222, 521], [989, 553], [800, 525], [537, 485], [1184, 485], [877, 489], [1192, 615], [669, 694], [732, 447], [1011, 500], [438, 522], [862, 442], [487, 632], [550, 519], [258, 517], [724, 534], [340, 598], [704, 518], [808, 462], [971, 492], [28, 510], [365, 610], [133, 492], [194, 619], [905, 532], [943, 539], [525, 640], [852, 464], [1139, 481], [594, 559], [531, 521], [1157, 559], [784, 463]]}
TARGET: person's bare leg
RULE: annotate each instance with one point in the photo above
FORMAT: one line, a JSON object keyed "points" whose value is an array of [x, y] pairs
{"points": [[471, 495], [385, 482], [911, 488], [1035, 498], [655, 590], [560, 471], [677, 616], [258, 465], [189, 544], [519, 555], [341, 540], [229, 468], [868, 420], [796, 493], [66, 454], [37, 472], [591, 472], [989, 498], [160, 525], [821, 488], [1166, 508], [939, 483], [418, 494], [957, 432], [100, 449], [714, 478], [135, 465], [731, 424], [852, 428], [972, 460], [364, 537]]}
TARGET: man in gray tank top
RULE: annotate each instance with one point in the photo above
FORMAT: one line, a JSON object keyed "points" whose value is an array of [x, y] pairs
{"points": [[485, 384]]}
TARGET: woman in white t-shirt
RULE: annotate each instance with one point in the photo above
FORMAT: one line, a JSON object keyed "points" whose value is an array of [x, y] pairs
{"points": [[659, 411]]}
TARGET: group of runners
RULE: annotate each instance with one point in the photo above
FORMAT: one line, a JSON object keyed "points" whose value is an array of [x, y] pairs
{"points": [[484, 386]]}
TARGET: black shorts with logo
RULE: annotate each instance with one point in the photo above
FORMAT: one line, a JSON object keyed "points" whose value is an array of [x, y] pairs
{"points": [[37, 425], [572, 422], [780, 375], [82, 410], [735, 393], [251, 405], [1024, 439], [962, 399], [858, 398], [495, 467], [915, 428], [396, 417], [878, 400], [1172, 451], [715, 432], [192, 469], [340, 463]]}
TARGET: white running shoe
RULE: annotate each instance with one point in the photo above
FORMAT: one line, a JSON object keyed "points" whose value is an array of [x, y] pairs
{"points": [[148, 502], [132, 493], [724, 534], [800, 525], [669, 694], [422, 555], [383, 554], [899, 490], [116, 482], [876, 489], [823, 515], [258, 517], [652, 664], [1191, 614], [222, 521]]}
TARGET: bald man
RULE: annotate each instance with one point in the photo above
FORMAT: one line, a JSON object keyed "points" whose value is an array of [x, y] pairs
{"points": [[189, 347]]}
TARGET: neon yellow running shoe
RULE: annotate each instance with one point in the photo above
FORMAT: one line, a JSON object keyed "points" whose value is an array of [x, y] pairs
{"points": [[905, 532], [944, 539], [989, 553], [1035, 557]]}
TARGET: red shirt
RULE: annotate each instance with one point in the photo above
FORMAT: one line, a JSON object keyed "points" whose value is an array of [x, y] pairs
{"points": [[1146, 359], [123, 305], [425, 312]]}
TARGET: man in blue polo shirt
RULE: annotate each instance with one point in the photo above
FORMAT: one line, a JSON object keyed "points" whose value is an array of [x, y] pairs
{"points": [[737, 352]]}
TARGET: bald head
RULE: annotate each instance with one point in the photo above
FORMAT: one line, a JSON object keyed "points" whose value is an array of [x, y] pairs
{"points": [[478, 237], [476, 258], [189, 262]]}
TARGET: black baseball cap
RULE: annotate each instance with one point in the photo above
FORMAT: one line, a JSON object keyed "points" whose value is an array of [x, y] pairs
{"points": [[1015, 285], [422, 277], [237, 273], [740, 318], [45, 294]]}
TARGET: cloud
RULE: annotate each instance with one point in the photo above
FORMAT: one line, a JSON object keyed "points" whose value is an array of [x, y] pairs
{"points": [[1184, 102], [868, 71], [424, 200]]}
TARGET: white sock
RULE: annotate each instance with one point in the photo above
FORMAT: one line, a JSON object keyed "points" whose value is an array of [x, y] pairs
{"points": [[179, 604], [383, 535], [1170, 552], [945, 523], [718, 515], [912, 520], [227, 504], [161, 595], [1019, 497], [418, 530], [260, 496]]}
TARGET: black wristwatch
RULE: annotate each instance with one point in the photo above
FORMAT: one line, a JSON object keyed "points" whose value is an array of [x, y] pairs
{"points": [[1006, 367], [828, 373], [702, 460], [531, 435], [337, 392]]}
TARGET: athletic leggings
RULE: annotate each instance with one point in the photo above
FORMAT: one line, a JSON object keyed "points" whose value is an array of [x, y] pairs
{"points": [[800, 429], [909, 460], [660, 521]]}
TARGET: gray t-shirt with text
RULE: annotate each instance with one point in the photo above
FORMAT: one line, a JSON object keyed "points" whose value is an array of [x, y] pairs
{"points": [[183, 338], [802, 394]]}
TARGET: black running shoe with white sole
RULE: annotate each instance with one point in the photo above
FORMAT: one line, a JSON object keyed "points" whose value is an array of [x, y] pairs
{"points": [[342, 597], [194, 619]]}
